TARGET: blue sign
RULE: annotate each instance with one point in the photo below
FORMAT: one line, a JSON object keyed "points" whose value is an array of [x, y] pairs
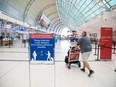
{"points": [[21, 29], [41, 47], [17, 28], [2, 24]]}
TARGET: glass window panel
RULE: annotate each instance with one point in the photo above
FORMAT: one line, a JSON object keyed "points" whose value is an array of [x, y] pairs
{"points": [[112, 2], [74, 1], [80, 4], [107, 6], [78, 12], [77, 3]]}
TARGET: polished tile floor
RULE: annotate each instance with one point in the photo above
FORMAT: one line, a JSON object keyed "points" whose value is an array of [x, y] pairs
{"points": [[16, 71]]}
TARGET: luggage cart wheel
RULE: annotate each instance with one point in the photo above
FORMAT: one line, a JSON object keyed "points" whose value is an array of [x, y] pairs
{"points": [[79, 64], [69, 66]]}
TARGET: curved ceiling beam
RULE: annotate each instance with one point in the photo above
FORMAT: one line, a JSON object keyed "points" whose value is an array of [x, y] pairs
{"points": [[52, 13], [57, 27], [50, 27], [27, 8], [61, 30], [54, 18], [59, 23], [46, 8], [54, 24], [60, 27], [42, 10], [54, 28]]}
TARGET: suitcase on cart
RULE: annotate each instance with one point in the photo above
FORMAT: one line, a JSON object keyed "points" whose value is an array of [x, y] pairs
{"points": [[73, 59]]}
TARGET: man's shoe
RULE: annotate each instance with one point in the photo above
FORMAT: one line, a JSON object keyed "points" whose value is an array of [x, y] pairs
{"points": [[90, 73], [83, 70]]}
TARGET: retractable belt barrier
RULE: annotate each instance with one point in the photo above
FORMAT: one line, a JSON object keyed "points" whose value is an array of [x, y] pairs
{"points": [[103, 46]]}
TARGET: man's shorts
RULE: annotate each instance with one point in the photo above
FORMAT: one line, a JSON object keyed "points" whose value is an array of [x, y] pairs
{"points": [[85, 56]]}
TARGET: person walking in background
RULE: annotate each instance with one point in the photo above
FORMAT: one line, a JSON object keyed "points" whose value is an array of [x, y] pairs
{"points": [[24, 39], [85, 47], [1, 39]]}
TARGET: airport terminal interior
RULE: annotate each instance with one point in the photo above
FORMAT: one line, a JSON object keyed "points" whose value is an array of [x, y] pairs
{"points": [[36, 36]]}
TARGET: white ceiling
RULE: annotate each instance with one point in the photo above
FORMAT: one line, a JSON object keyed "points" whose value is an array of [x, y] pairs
{"points": [[107, 19]]}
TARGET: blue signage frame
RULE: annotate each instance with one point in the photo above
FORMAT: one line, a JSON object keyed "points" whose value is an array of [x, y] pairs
{"points": [[41, 48]]}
